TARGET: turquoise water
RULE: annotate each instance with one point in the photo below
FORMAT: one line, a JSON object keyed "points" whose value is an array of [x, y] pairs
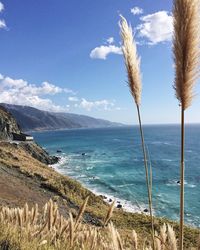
{"points": [[113, 165]]}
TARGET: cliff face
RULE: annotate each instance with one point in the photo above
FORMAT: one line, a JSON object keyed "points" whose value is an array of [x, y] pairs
{"points": [[8, 125], [38, 153]]}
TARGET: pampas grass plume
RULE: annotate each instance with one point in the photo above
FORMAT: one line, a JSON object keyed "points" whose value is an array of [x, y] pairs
{"points": [[186, 49], [132, 60]]}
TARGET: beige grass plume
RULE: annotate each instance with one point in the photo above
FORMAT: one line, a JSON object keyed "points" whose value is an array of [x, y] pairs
{"points": [[186, 56], [21, 234], [186, 49], [109, 214], [132, 60]]}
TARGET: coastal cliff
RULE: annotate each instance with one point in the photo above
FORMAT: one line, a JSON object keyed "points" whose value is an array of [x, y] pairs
{"points": [[39, 153], [8, 126], [26, 177], [32, 119]]}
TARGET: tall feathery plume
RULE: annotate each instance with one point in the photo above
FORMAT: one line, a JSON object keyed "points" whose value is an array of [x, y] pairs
{"points": [[186, 56], [132, 62]]}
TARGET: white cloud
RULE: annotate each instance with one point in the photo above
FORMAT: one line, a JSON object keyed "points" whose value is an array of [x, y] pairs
{"points": [[110, 40], [136, 11], [118, 108], [2, 21], [73, 99], [1, 77], [2, 24], [103, 51], [101, 104], [1, 7], [19, 91], [157, 27], [13, 83], [46, 88], [69, 91], [14, 97]]}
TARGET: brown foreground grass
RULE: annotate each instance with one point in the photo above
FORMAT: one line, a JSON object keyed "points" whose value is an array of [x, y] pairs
{"points": [[73, 193], [25, 228]]}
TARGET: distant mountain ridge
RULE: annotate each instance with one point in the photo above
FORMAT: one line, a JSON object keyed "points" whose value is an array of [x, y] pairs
{"points": [[30, 118]]}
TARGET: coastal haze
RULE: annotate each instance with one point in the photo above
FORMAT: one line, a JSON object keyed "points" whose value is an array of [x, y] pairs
{"points": [[30, 118]]}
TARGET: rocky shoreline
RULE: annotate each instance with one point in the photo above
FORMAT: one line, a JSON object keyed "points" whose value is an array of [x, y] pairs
{"points": [[26, 177], [39, 153]]}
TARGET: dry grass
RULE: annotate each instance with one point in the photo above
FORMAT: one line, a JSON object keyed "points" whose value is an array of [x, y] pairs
{"points": [[186, 49], [27, 228], [109, 214], [186, 56], [132, 63], [73, 192]]}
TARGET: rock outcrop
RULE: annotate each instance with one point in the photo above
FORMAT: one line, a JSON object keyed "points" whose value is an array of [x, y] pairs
{"points": [[8, 125], [39, 153]]}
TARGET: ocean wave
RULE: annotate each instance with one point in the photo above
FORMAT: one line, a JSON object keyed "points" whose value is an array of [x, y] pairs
{"points": [[94, 178], [177, 183], [191, 185], [116, 139], [162, 143], [107, 185], [188, 151], [136, 159], [63, 160], [97, 161], [127, 206], [166, 160], [89, 168], [126, 185], [81, 176]]}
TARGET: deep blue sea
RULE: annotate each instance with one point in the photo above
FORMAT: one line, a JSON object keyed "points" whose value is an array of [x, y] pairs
{"points": [[113, 165]]}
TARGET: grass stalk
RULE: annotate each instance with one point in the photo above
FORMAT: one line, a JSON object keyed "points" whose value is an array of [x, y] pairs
{"points": [[182, 178], [147, 176], [132, 63], [186, 50]]}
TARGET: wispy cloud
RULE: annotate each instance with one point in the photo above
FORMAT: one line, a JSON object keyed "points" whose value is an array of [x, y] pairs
{"points": [[2, 21], [136, 10], [73, 99], [110, 40], [156, 27], [100, 104], [2, 24], [1, 7], [19, 91]]}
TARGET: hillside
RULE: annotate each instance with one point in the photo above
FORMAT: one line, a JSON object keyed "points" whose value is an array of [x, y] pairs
{"points": [[8, 124], [25, 177], [30, 118]]}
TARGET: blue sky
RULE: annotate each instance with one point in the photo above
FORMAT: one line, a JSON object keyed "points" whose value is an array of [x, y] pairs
{"points": [[66, 56]]}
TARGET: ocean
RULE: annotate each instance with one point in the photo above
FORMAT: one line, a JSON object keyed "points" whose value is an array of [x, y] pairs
{"points": [[109, 161]]}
